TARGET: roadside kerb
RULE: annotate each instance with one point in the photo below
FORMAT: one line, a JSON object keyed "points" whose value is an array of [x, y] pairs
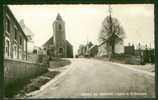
{"points": [[134, 69], [52, 82]]}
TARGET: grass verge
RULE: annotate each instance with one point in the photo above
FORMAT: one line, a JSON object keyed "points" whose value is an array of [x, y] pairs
{"points": [[20, 90]]}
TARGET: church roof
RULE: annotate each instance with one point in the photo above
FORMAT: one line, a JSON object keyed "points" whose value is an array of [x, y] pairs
{"points": [[68, 43], [58, 17], [50, 41]]}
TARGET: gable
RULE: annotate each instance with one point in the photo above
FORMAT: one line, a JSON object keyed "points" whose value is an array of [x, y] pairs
{"points": [[49, 42]]}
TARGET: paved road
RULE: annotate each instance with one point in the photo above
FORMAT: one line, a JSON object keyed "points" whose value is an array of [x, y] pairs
{"points": [[97, 79]]}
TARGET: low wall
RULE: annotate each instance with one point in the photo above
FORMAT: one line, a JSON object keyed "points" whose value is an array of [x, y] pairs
{"points": [[33, 57], [16, 70], [134, 60]]}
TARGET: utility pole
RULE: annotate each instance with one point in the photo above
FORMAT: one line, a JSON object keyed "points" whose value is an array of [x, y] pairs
{"points": [[110, 10], [112, 41]]}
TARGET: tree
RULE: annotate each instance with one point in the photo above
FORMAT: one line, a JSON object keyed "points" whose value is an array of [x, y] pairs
{"points": [[89, 44], [111, 33]]}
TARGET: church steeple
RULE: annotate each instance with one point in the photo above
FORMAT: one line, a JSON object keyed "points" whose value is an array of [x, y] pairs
{"points": [[59, 36], [58, 17]]}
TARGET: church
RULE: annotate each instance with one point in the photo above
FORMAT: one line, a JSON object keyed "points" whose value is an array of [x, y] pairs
{"points": [[57, 45]]}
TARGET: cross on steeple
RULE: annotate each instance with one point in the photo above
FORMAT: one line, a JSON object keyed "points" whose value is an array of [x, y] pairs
{"points": [[58, 17], [110, 10]]}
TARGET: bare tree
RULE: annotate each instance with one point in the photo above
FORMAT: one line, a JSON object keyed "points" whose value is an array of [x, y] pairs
{"points": [[111, 33]]}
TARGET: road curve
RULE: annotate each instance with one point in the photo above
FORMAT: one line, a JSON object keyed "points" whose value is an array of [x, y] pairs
{"points": [[90, 78]]}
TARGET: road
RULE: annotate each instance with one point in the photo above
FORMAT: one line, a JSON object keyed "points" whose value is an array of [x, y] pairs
{"points": [[100, 79]]}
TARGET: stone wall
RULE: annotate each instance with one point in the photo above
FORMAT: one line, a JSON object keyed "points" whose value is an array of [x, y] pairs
{"points": [[33, 57], [18, 70]]}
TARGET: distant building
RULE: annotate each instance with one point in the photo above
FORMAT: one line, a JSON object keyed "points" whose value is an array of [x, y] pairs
{"points": [[129, 50], [93, 51], [147, 55], [57, 45], [103, 49], [81, 50], [36, 50], [15, 38], [88, 50]]}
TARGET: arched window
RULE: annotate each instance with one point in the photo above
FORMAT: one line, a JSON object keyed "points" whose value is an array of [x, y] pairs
{"points": [[15, 51], [35, 51], [7, 47], [8, 25], [20, 53], [60, 27]]}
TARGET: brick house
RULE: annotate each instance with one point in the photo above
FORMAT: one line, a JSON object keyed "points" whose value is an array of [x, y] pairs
{"points": [[15, 38]]}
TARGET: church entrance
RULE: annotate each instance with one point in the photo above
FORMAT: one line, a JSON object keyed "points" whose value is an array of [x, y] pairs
{"points": [[61, 52]]}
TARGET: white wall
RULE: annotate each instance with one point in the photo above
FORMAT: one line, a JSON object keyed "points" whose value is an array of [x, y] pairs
{"points": [[119, 48], [30, 47]]}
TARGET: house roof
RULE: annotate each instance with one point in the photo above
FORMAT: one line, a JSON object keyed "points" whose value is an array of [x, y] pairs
{"points": [[13, 17], [27, 30]]}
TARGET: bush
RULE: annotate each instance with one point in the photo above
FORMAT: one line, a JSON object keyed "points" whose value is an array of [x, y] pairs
{"points": [[127, 59]]}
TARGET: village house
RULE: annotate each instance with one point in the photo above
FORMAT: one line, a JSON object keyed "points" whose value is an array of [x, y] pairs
{"points": [[103, 50], [129, 50], [81, 50], [17, 66], [147, 54], [15, 38], [93, 50], [57, 45], [88, 50]]}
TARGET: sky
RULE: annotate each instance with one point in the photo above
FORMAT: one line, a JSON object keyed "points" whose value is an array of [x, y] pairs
{"points": [[83, 22]]}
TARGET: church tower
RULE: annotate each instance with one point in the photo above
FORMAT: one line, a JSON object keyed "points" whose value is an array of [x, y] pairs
{"points": [[59, 37]]}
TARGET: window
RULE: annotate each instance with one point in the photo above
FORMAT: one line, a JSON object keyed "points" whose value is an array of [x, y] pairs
{"points": [[60, 27], [20, 40], [15, 51], [20, 53], [60, 50], [7, 48], [24, 45], [15, 35], [35, 51], [7, 25]]}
